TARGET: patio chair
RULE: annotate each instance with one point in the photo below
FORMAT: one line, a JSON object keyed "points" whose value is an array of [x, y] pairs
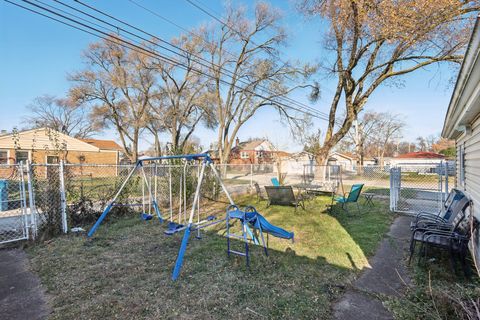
{"points": [[260, 195], [445, 231], [284, 196], [444, 213], [275, 182], [455, 241], [349, 197], [431, 221]]}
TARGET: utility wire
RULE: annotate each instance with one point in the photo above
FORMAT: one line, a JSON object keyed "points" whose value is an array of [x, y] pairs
{"points": [[219, 68], [155, 13], [132, 46]]}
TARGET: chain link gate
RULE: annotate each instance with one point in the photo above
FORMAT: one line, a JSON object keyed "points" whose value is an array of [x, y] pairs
{"points": [[14, 213], [420, 187]]}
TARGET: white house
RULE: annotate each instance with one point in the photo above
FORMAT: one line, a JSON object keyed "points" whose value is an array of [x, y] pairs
{"points": [[419, 158], [462, 123], [296, 163], [346, 161]]}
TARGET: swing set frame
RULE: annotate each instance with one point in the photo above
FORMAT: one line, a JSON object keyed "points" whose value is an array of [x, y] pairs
{"points": [[139, 166]]}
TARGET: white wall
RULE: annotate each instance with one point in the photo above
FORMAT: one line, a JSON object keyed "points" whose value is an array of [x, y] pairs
{"points": [[471, 185]]}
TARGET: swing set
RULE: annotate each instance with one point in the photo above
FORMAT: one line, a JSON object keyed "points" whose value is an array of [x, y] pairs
{"points": [[162, 167]]}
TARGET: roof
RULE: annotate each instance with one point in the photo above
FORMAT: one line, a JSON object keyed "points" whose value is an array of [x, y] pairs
{"points": [[252, 144], [296, 155], [103, 144], [464, 104], [282, 153], [343, 155], [44, 139], [420, 155]]}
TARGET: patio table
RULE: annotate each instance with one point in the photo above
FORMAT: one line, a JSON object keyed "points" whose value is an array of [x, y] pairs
{"points": [[369, 198]]}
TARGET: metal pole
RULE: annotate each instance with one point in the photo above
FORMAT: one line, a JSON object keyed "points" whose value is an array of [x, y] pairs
{"points": [[199, 201], [170, 191], [197, 194], [63, 200], [251, 175], [147, 184], [24, 201], [219, 179], [31, 198], [185, 191]]}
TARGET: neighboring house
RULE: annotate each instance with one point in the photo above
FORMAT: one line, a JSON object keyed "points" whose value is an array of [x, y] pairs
{"points": [[45, 145], [297, 163], [258, 151], [462, 123], [417, 159], [346, 161]]}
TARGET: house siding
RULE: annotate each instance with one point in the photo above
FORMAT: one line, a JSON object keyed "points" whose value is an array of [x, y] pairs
{"points": [[471, 185]]}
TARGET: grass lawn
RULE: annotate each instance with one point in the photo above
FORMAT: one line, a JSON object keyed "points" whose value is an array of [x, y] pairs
{"points": [[124, 271]]}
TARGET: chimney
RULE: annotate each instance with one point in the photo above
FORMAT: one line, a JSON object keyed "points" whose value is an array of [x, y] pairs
{"points": [[237, 142]]}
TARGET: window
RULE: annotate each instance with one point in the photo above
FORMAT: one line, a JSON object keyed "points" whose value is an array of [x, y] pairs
{"points": [[52, 159], [3, 157], [259, 154], [244, 155], [21, 156], [461, 160]]}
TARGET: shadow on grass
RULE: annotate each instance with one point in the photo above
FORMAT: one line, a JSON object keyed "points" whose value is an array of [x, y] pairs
{"points": [[125, 270]]}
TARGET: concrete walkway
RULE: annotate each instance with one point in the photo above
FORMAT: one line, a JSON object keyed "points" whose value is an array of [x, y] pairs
{"points": [[387, 277], [21, 296]]}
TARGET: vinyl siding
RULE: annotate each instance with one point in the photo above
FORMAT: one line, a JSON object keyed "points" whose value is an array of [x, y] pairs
{"points": [[40, 139], [471, 186]]}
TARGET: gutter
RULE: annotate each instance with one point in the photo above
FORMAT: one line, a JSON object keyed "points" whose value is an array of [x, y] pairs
{"points": [[471, 55]]}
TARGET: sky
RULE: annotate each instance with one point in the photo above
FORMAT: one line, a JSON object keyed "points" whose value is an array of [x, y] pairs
{"points": [[37, 54]]}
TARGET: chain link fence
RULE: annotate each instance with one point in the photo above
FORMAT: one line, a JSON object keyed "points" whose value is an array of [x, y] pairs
{"points": [[14, 218], [421, 187], [42, 200]]}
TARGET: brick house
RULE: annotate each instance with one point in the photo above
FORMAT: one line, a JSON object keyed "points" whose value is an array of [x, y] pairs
{"points": [[257, 151], [47, 146]]}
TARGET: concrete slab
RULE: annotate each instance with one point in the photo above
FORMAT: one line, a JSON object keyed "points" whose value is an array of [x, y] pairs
{"points": [[21, 295], [359, 306], [388, 276]]}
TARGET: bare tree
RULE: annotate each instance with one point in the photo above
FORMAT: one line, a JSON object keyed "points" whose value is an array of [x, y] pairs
{"points": [[375, 42], [120, 88], [367, 129], [248, 75], [62, 115], [185, 97], [389, 129]]}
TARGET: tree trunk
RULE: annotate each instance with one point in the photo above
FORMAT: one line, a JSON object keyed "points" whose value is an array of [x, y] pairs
{"points": [[157, 147]]}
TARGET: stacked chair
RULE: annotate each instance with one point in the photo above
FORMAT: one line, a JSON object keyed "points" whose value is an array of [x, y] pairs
{"points": [[450, 229]]}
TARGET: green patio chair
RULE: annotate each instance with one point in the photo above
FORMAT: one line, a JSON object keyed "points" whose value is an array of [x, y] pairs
{"points": [[349, 197]]}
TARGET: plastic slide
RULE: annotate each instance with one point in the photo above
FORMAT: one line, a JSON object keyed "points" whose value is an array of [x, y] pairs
{"points": [[259, 222]]}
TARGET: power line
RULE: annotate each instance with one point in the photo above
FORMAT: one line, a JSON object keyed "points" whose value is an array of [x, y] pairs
{"points": [[155, 13], [205, 10], [221, 70], [135, 47]]}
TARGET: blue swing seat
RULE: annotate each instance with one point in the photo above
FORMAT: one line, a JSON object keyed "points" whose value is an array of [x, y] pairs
{"points": [[146, 217], [173, 228]]}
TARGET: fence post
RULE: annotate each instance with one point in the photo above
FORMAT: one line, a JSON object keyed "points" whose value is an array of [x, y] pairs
{"points": [[31, 200], [251, 175], [23, 198], [63, 199]]}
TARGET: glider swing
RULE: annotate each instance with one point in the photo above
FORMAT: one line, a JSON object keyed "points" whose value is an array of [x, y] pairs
{"points": [[249, 217]]}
